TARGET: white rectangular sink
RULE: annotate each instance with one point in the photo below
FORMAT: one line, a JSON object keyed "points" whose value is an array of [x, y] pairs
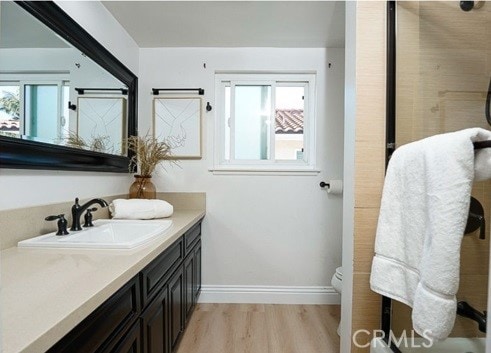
{"points": [[105, 234]]}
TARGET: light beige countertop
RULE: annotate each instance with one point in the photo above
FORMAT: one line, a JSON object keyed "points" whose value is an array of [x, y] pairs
{"points": [[46, 292]]}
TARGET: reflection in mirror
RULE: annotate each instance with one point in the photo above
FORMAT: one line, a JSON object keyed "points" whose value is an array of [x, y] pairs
{"points": [[39, 77]]}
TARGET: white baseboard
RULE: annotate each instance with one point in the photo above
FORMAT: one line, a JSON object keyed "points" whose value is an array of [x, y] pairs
{"points": [[269, 294]]}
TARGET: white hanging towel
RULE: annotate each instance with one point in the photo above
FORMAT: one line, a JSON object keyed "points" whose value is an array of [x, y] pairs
{"points": [[424, 210]]}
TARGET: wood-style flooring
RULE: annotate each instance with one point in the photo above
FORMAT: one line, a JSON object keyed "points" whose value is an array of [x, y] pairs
{"points": [[262, 328]]}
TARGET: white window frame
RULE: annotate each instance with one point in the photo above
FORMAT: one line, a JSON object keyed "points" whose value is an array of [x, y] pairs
{"points": [[23, 79], [304, 166]]}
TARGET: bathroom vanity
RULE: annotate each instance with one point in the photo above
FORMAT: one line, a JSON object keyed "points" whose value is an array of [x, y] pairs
{"points": [[86, 300]]}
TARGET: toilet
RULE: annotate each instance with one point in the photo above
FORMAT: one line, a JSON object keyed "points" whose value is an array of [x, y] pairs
{"points": [[337, 283]]}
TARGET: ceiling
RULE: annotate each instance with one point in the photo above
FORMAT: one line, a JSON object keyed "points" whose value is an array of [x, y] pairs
{"points": [[285, 24]]}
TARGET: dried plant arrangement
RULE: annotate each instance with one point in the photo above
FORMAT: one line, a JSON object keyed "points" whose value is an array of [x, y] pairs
{"points": [[101, 144], [96, 144], [148, 153], [75, 140]]}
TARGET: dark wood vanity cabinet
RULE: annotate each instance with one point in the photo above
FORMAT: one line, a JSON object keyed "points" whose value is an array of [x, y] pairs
{"points": [[155, 322], [192, 277], [176, 294], [150, 312], [172, 308], [107, 325], [131, 341]]}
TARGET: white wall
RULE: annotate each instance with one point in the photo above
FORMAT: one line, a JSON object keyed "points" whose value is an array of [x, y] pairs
{"points": [[40, 59], [22, 188], [260, 232], [99, 22]]}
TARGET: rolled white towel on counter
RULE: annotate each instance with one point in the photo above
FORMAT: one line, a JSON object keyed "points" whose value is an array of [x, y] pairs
{"points": [[140, 209]]}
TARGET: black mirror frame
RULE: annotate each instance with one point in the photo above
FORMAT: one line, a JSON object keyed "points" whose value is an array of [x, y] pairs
{"points": [[18, 153]]}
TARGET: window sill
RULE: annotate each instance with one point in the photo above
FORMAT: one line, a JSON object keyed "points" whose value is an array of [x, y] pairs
{"points": [[263, 171]]}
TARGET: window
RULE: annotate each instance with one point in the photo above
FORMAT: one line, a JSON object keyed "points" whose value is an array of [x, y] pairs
{"points": [[34, 105], [9, 109], [265, 122]]}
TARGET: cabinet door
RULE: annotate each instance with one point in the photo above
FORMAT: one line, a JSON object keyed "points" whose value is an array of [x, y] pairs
{"points": [[155, 321], [197, 272], [189, 281], [176, 300], [131, 341]]}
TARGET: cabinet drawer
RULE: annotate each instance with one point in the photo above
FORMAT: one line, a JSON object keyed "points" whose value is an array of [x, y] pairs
{"points": [[155, 274], [191, 237], [108, 322]]}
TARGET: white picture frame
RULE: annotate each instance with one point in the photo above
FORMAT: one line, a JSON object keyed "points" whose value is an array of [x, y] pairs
{"points": [[178, 121]]}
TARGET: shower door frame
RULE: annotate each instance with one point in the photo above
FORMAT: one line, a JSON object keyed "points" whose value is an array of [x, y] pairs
{"points": [[390, 139]]}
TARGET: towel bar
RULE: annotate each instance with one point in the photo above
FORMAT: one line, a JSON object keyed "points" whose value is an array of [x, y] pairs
{"points": [[481, 144]]}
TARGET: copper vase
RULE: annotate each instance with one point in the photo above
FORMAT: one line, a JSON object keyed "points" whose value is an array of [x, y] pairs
{"points": [[142, 188]]}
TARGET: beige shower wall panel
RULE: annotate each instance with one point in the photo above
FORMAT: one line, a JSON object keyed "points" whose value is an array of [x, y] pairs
{"points": [[372, 126], [367, 309], [369, 158], [405, 109], [370, 38], [468, 61], [407, 62], [446, 26], [365, 229], [369, 173], [408, 33], [403, 321], [436, 84]]}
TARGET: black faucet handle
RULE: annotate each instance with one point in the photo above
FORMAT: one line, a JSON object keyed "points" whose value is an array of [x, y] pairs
{"points": [[62, 223], [54, 217], [88, 217]]}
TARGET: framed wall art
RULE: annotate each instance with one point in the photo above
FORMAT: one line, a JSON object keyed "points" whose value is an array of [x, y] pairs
{"points": [[178, 121], [102, 120]]}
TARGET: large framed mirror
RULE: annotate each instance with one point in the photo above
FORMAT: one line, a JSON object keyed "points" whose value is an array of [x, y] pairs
{"points": [[66, 103]]}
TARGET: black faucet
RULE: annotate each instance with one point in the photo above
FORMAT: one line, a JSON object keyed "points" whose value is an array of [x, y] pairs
{"points": [[62, 223], [465, 310], [77, 211]]}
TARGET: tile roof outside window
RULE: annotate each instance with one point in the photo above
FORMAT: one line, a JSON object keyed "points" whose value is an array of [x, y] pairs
{"points": [[289, 121], [9, 125]]}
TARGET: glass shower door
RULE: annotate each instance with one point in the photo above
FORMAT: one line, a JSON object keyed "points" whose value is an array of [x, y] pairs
{"points": [[443, 71]]}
